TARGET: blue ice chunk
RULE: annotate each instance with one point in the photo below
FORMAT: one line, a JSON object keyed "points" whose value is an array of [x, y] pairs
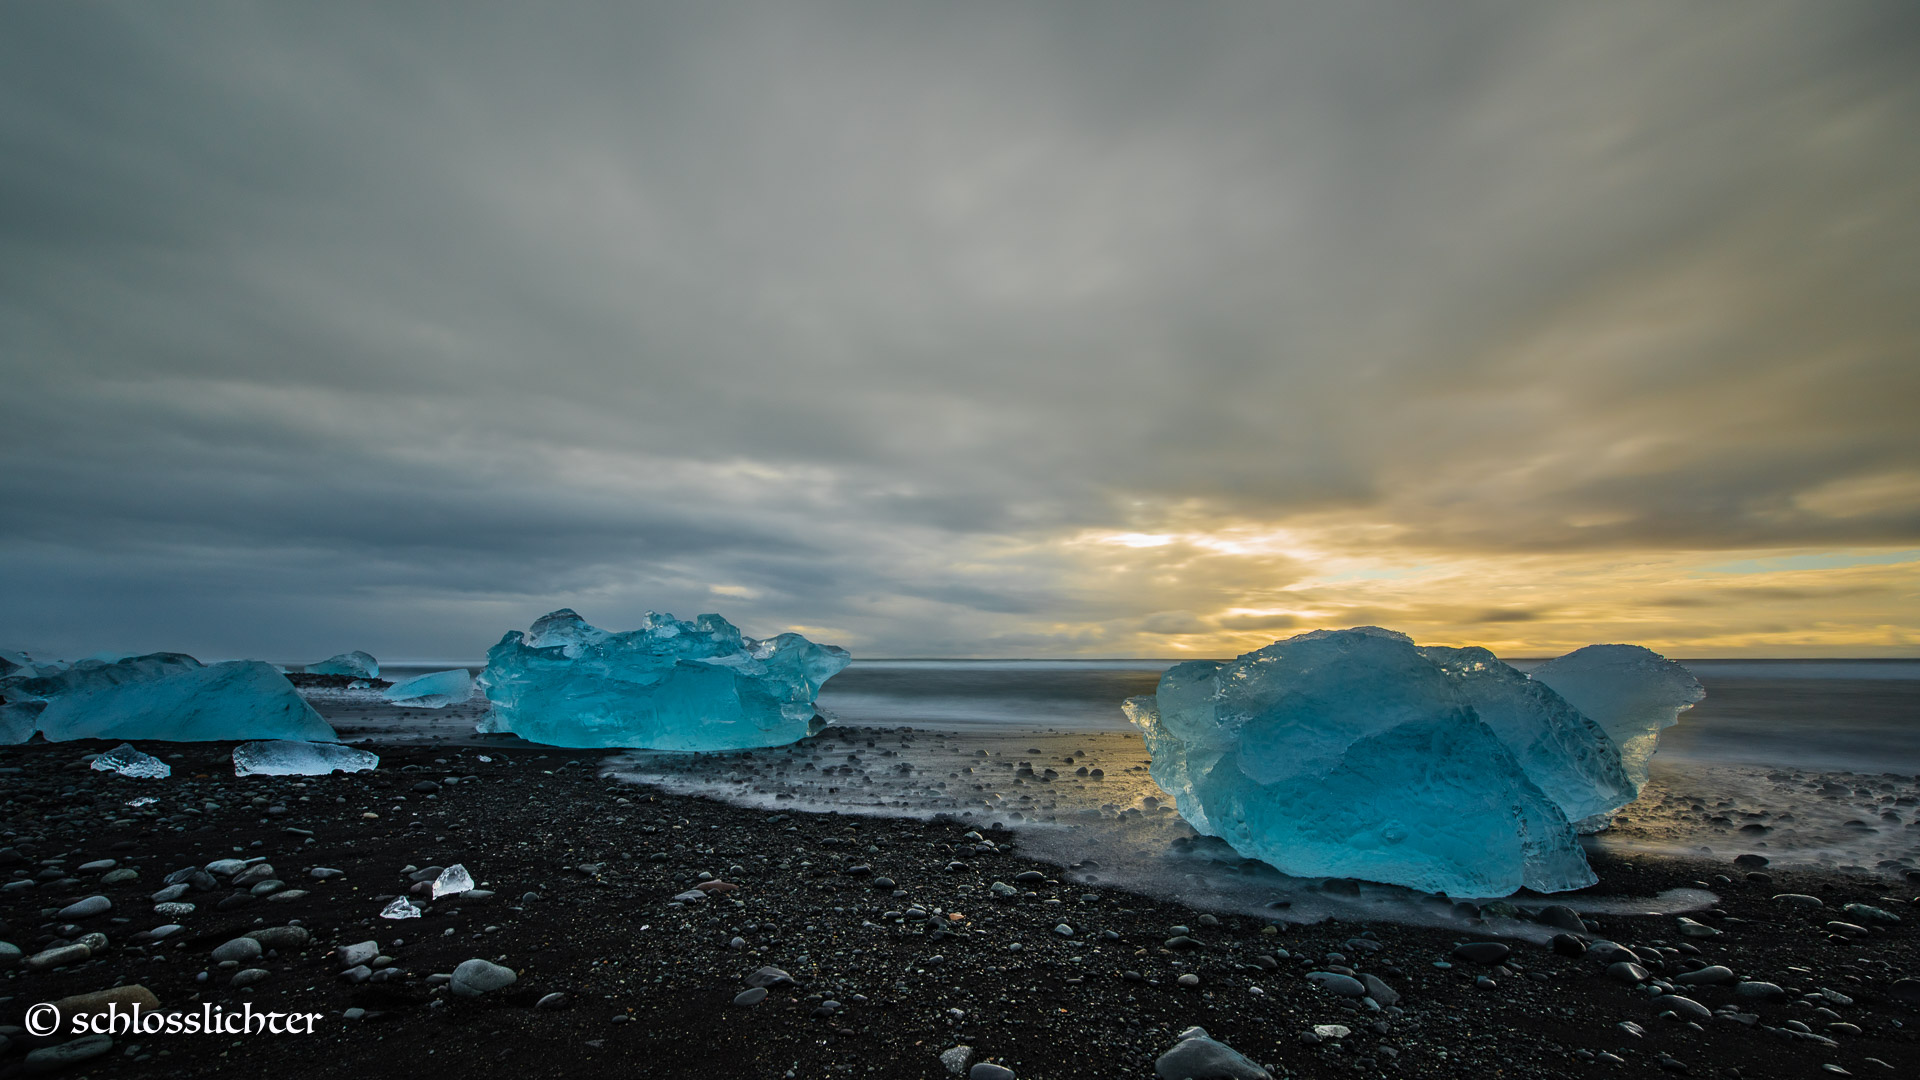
{"points": [[668, 685], [282, 757], [18, 719], [93, 674], [1355, 753], [355, 664], [1632, 692], [1566, 753], [435, 691], [1351, 754], [171, 696], [22, 695]]}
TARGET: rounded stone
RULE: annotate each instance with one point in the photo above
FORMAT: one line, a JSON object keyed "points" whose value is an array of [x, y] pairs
{"points": [[101, 1000], [1344, 985], [282, 937], [475, 977], [1629, 973], [1483, 952], [750, 997], [239, 949], [88, 908], [67, 1054], [1760, 991], [1378, 990], [1685, 1008], [59, 956], [1714, 975]]}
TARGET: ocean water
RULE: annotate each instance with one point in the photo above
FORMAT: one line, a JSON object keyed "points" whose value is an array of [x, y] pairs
{"points": [[1804, 762], [1857, 715]]}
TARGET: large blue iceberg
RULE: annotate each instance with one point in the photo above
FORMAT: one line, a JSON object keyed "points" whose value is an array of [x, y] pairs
{"points": [[669, 685], [167, 696], [1355, 753]]}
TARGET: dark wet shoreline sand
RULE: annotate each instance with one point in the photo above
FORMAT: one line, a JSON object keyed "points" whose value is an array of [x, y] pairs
{"points": [[607, 859]]}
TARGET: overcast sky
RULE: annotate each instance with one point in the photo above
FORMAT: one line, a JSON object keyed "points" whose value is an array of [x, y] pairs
{"points": [[983, 329]]}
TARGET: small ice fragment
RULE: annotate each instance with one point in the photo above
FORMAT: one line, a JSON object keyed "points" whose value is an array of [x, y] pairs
{"points": [[127, 761], [284, 757], [435, 691], [358, 664], [454, 879], [144, 800], [400, 909], [485, 759]]}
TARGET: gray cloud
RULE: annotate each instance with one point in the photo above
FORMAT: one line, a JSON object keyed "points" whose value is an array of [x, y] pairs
{"points": [[348, 326]]}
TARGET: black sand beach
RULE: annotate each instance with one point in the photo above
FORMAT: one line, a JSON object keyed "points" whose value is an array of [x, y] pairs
{"points": [[898, 946]]}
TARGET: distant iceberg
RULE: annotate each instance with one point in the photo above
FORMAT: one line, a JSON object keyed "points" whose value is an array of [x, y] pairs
{"points": [[355, 665], [1355, 753], [435, 691], [669, 685], [166, 696]]}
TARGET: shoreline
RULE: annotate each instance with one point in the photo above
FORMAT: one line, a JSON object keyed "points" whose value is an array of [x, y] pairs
{"points": [[649, 982]]}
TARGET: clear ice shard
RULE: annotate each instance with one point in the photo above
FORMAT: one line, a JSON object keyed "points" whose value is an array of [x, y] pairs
{"points": [[454, 879], [401, 908], [1354, 753], [284, 757], [435, 691], [166, 696], [355, 664], [127, 761], [669, 685], [1630, 691]]}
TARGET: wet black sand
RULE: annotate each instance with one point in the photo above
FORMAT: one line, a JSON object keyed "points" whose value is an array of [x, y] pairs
{"points": [[648, 982]]}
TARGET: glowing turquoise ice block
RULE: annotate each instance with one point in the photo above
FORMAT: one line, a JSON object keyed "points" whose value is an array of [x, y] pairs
{"points": [[1632, 692], [1354, 753], [669, 685], [1570, 757]]}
